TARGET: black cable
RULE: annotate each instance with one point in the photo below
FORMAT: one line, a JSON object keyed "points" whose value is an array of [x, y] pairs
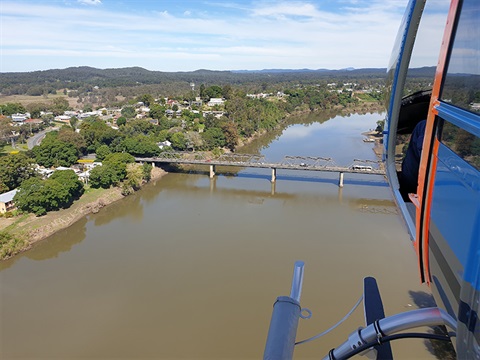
{"points": [[391, 338]]}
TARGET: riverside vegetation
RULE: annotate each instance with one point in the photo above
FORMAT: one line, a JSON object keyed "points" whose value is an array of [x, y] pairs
{"points": [[183, 120]]}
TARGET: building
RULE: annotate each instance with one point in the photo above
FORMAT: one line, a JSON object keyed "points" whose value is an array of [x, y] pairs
{"points": [[215, 101], [6, 201], [20, 118]]}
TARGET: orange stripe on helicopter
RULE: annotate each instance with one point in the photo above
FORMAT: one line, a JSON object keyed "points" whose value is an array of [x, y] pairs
{"points": [[426, 177]]}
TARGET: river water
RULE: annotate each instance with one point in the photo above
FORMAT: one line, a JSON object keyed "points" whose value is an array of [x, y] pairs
{"points": [[188, 267]]}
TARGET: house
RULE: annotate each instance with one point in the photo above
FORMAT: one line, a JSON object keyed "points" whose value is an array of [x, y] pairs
{"points": [[215, 101], [163, 144], [20, 118], [63, 118], [6, 201]]}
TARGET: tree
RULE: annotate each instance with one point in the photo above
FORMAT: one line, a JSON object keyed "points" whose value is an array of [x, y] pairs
{"points": [[231, 135], [147, 171], [55, 153], [121, 121], [40, 196], [68, 135], [14, 169], [129, 112], [103, 176], [157, 111], [35, 109], [134, 176], [96, 133], [194, 140], [140, 145], [213, 138], [147, 99], [102, 151], [87, 108], [178, 141], [74, 122], [113, 170], [12, 108], [70, 181], [59, 105], [5, 128]]}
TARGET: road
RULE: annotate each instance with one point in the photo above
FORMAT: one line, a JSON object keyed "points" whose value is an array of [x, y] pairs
{"points": [[37, 138]]}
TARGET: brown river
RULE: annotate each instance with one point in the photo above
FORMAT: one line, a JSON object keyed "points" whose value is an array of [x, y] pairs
{"points": [[189, 268]]}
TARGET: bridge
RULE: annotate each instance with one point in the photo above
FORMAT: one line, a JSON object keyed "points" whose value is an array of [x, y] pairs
{"points": [[305, 163]]}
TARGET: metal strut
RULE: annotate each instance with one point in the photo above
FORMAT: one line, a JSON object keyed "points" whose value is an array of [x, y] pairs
{"points": [[389, 326]]}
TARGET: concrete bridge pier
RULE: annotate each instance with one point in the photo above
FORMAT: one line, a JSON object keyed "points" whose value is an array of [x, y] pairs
{"points": [[340, 180], [213, 184], [212, 171], [153, 164], [274, 175]]}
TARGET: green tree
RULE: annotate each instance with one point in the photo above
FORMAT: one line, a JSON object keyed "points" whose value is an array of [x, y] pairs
{"points": [[129, 112], [102, 151], [121, 121], [36, 108], [147, 99], [55, 153], [103, 176], [59, 105], [157, 111], [74, 122], [134, 176], [68, 135], [213, 138], [14, 169], [147, 171], [178, 141], [112, 172], [96, 133], [40, 196], [213, 91], [70, 181], [5, 129], [12, 108]]}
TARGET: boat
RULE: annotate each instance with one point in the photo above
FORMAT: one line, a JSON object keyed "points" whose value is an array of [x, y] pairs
{"points": [[441, 211]]}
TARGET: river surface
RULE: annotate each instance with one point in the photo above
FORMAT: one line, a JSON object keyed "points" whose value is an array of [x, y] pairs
{"points": [[189, 268]]}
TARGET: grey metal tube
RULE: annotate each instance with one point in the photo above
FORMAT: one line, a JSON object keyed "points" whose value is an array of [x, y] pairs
{"points": [[283, 329], [394, 324], [297, 280]]}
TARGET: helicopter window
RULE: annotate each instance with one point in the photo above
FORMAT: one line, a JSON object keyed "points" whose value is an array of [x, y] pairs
{"points": [[423, 62], [463, 143], [462, 81], [420, 74]]}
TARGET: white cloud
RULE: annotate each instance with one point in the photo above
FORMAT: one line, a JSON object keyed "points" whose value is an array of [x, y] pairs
{"points": [[90, 2], [268, 35]]}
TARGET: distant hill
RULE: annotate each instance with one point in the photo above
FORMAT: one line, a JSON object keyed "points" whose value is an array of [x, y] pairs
{"points": [[75, 77]]}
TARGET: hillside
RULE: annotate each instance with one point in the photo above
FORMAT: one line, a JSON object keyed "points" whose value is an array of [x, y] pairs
{"points": [[38, 82]]}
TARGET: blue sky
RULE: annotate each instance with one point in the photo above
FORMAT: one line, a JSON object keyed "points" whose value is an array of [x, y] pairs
{"points": [[188, 35]]}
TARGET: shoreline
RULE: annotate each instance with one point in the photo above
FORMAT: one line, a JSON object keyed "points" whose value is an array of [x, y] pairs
{"points": [[32, 229]]}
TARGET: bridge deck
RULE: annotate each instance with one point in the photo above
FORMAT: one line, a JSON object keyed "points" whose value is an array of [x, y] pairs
{"points": [[291, 163]]}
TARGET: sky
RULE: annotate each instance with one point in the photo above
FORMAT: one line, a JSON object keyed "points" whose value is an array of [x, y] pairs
{"points": [[187, 35]]}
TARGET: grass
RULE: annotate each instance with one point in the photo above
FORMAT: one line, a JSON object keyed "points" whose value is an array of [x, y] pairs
{"points": [[10, 245], [7, 149], [28, 99]]}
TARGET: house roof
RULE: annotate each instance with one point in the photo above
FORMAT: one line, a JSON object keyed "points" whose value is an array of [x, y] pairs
{"points": [[8, 196]]}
